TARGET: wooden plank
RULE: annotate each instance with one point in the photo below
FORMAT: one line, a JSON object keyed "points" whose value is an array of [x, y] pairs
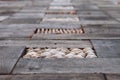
{"points": [[47, 43], [107, 48], [20, 26], [115, 14], [16, 33], [76, 36], [113, 76], [109, 8], [101, 30], [54, 24], [2, 30], [54, 77], [16, 4], [9, 57], [28, 66], [101, 18], [29, 15], [91, 14], [102, 26], [95, 22], [96, 65], [87, 7], [22, 21]]}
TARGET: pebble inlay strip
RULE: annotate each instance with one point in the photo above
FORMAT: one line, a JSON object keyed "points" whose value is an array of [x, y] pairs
{"points": [[60, 53], [59, 31]]}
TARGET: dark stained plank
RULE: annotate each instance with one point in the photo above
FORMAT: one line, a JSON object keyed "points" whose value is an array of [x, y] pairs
{"points": [[54, 77], [107, 48], [96, 65], [9, 57], [113, 76]]}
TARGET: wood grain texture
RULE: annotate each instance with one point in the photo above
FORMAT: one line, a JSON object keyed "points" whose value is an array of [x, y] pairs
{"points": [[107, 48], [96, 65], [54, 77], [47, 43], [9, 57]]}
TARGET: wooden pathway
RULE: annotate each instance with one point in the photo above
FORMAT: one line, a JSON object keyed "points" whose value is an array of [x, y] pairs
{"points": [[27, 23]]}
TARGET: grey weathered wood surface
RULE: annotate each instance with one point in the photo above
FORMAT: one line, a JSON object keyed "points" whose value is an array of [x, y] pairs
{"points": [[16, 34], [9, 56], [76, 36], [20, 26], [28, 66], [47, 43], [26, 16], [53, 24], [22, 21], [107, 48], [97, 65], [113, 76], [8, 31], [54, 77], [102, 30]]}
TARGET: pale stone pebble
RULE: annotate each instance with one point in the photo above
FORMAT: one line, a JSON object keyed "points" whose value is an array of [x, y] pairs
{"points": [[90, 53], [32, 55], [91, 56]]}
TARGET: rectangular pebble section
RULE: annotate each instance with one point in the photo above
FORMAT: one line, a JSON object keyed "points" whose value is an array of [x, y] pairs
{"points": [[59, 31], [60, 53]]}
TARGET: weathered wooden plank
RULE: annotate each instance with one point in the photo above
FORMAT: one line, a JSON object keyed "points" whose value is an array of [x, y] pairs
{"points": [[9, 33], [97, 22], [22, 21], [16, 4], [96, 18], [107, 48], [20, 26], [14, 31], [96, 65], [113, 76], [101, 30], [29, 15], [76, 36], [28, 66], [47, 43], [91, 14], [54, 77], [55, 24], [62, 19], [9, 57], [109, 7], [115, 14], [4, 12], [87, 7], [8, 29]]}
